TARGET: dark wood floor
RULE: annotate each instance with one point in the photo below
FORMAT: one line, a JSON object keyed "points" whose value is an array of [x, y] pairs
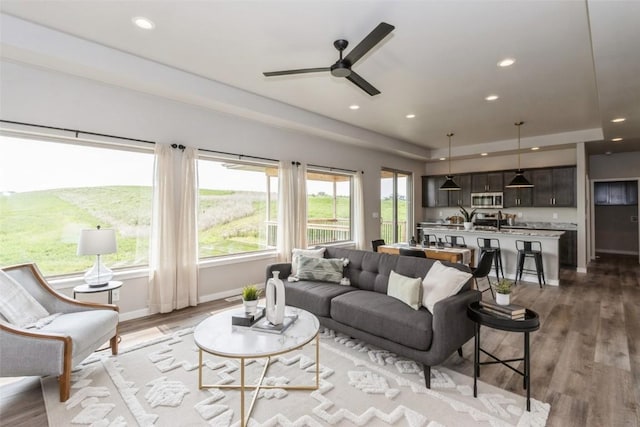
{"points": [[585, 359]]}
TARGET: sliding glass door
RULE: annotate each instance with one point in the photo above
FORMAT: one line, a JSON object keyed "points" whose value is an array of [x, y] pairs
{"points": [[395, 205]]}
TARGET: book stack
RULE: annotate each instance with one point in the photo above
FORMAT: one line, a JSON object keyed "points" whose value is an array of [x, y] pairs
{"points": [[245, 319], [511, 311]]}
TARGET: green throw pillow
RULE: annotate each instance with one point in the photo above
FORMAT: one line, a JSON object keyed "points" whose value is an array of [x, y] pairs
{"points": [[406, 289], [321, 269]]}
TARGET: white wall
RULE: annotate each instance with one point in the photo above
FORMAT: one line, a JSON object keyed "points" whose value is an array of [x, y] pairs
{"points": [[617, 165], [46, 97]]}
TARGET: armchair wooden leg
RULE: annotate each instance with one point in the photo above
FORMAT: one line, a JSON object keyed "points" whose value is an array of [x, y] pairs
{"points": [[114, 344], [64, 380]]}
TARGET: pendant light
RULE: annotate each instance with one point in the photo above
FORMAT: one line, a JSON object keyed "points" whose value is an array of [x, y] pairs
{"points": [[449, 184], [519, 181]]}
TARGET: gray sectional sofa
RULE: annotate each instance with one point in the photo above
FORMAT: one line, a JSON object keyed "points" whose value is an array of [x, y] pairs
{"points": [[363, 310]]}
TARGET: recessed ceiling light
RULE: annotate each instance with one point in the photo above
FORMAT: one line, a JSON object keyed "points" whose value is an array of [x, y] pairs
{"points": [[491, 98], [608, 153], [144, 23], [535, 148], [616, 139], [443, 158], [354, 107], [507, 62], [410, 116], [618, 120], [484, 154]]}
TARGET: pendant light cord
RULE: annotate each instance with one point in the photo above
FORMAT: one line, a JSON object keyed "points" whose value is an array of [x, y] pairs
{"points": [[518, 124], [450, 134]]}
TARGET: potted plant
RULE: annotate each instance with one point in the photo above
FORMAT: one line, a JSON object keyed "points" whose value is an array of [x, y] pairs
{"points": [[250, 295], [468, 217], [503, 291]]}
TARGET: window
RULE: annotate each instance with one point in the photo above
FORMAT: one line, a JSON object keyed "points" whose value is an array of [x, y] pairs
{"points": [[238, 207], [395, 205], [328, 207], [49, 191]]}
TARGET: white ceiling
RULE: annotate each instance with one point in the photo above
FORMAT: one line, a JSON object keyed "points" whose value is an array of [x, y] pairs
{"points": [[577, 62]]}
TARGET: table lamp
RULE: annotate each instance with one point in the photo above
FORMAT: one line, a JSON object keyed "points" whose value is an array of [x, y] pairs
{"points": [[97, 242]]}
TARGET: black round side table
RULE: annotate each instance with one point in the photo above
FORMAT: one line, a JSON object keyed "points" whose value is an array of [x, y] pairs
{"points": [[480, 317]]}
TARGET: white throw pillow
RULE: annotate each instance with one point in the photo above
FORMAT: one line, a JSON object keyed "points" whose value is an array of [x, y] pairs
{"points": [[406, 289], [441, 282], [17, 305], [312, 253]]}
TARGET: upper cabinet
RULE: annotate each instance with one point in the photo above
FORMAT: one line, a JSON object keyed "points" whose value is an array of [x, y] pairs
{"points": [[486, 182], [515, 197], [616, 193], [554, 187], [433, 197]]}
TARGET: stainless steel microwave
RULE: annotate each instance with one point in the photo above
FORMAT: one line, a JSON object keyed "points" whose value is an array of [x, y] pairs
{"points": [[487, 200]]}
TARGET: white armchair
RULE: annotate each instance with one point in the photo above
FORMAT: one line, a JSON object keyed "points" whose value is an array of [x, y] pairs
{"points": [[58, 346]]}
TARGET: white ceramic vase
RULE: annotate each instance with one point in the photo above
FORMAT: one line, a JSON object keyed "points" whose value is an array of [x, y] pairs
{"points": [[502, 299], [251, 306], [468, 225], [275, 299]]}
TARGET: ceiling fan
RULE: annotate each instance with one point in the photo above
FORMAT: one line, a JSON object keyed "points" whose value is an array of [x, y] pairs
{"points": [[342, 67]]}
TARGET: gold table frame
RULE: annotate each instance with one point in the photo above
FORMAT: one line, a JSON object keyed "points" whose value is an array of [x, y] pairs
{"points": [[243, 387]]}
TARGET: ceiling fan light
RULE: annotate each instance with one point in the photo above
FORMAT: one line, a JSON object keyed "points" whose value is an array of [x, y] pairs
{"points": [[449, 184], [519, 181]]}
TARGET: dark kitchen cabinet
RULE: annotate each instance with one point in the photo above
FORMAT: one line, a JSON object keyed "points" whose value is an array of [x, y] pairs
{"points": [[554, 187], [616, 193], [568, 247], [463, 196], [432, 196], [515, 197], [486, 182]]}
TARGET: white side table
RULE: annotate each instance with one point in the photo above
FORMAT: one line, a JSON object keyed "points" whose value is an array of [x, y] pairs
{"points": [[109, 287]]}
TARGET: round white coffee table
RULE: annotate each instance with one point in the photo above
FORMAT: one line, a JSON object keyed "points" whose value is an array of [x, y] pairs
{"points": [[217, 336]]}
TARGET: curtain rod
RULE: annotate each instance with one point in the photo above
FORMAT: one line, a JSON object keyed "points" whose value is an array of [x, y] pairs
{"points": [[239, 156], [76, 131], [330, 169]]}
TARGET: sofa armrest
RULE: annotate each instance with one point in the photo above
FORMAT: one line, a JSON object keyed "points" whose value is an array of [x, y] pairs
{"points": [[283, 267], [451, 326]]}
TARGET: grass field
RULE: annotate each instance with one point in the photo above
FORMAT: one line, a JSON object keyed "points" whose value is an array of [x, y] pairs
{"points": [[43, 226]]}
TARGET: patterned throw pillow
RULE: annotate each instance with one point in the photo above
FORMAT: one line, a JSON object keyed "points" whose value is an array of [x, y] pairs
{"points": [[321, 269]]}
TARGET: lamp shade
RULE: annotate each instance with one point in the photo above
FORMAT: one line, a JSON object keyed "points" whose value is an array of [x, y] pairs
{"points": [[450, 184], [97, 241], [519, 181]]}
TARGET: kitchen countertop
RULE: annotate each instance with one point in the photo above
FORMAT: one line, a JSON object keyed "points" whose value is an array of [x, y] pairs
{"points": [[512, 231], [564, 226]]}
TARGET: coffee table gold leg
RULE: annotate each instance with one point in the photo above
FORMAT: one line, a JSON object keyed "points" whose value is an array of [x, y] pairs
{"points": [[200, 369], [317, 361], [242, 421]]}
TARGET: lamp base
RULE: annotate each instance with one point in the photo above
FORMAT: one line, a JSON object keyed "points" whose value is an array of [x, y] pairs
{"points": [[98, 275]]}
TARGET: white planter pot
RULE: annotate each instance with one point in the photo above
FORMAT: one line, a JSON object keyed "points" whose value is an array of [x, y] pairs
{"points": [[503, 299], [468, 225], [250, 307]]}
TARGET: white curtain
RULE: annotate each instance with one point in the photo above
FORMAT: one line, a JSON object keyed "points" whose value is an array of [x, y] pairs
{"points": [[162, 242], [187, 237], [173, 246], [358, 211], [286, 211], [301, 207]]}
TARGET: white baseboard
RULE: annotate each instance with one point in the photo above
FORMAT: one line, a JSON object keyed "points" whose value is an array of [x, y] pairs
{"points": [[581, 270], [136, 314]]}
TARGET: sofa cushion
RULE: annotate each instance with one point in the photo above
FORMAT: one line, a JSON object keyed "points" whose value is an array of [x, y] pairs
{"points": [[442, 282], [406, 289], [384, 316], [320, 269], [314, 297], [86, 328]]}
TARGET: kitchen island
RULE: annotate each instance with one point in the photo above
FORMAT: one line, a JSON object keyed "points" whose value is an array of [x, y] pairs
{"points": [[549, 239]]}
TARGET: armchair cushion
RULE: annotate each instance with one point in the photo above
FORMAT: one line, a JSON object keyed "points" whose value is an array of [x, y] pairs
{"points": [[17, 305]]}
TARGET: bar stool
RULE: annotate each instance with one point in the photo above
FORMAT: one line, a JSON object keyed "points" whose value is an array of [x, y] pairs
{"points": [[485, 244], [376, 243], [530, 249], [455, 241], [412, 252], [483, 269], [429, 239]]}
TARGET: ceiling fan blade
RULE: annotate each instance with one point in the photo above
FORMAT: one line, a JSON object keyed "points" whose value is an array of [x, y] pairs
{"points": [[362, 83], [374, 37], [300, 71]]}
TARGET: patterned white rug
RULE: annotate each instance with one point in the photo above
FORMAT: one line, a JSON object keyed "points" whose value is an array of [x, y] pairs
{"points": [[155, 383]]}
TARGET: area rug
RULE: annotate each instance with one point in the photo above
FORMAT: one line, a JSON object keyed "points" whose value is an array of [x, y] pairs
{"points": [[155, 384]]}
